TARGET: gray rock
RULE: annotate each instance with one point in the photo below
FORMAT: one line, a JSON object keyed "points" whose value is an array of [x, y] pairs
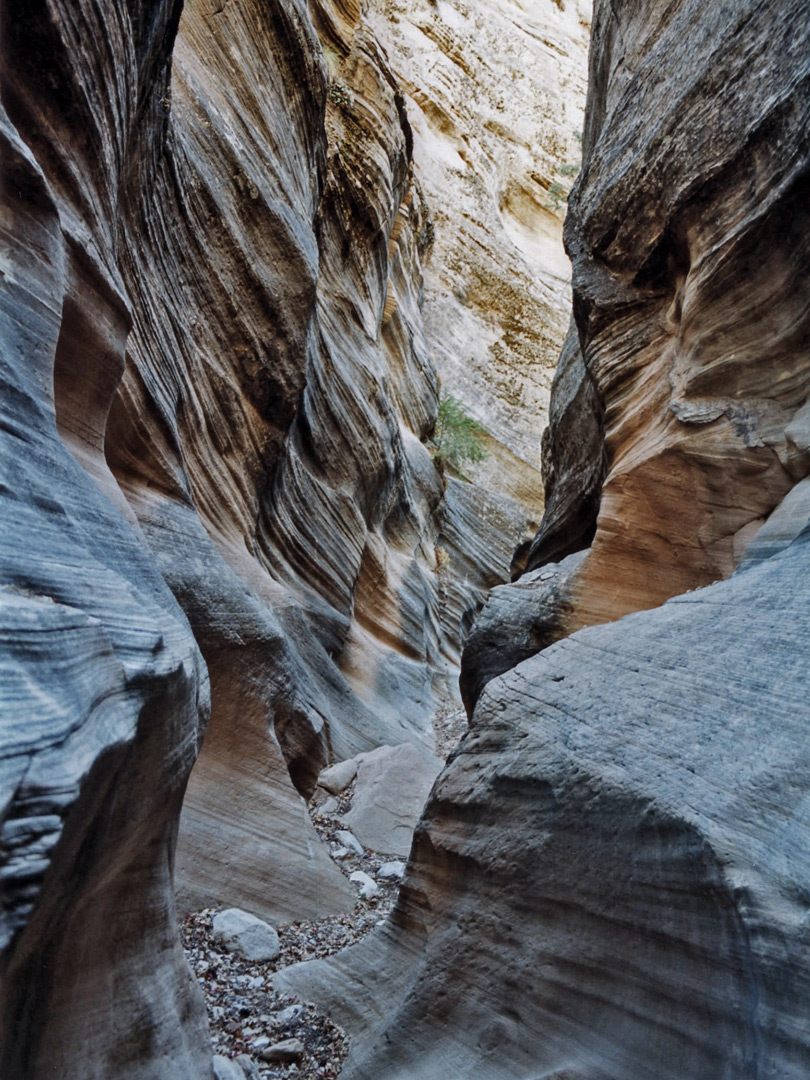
{"points": [[248, 1066], [368, 886], [329, 808], [291, 1015], [225, 1069], [516, 622], [283, 1053], [338, 777], [246, 935], [629, 833], [392, 871], [350, 841], [390, 792]]}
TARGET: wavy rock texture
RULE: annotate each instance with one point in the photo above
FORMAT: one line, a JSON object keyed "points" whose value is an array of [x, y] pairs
{"points": [[268, 433], [610, 881], [495, 94], [217, 377], [612, 877], [678, 427], [104, 693]]}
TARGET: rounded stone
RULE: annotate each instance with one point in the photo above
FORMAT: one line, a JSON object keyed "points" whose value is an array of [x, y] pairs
{"points": [[242, 933]]}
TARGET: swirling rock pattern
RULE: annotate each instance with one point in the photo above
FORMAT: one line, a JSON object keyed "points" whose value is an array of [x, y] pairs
{"points": [[216, 378], [105, 696], [610, 881], [269, 435]]}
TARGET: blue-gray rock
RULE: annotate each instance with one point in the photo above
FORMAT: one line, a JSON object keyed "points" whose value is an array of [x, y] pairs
{"points": [[246, 935]]}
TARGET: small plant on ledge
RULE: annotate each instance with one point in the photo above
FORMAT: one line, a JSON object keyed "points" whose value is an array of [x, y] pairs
{"points": [[458, 437], [340, 95]]}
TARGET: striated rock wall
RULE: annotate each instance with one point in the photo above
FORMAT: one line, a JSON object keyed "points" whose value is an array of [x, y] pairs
{"points": [[678, 425], [610, 881], [105, 696], [269, 435], [494, 94], [217, 377]]}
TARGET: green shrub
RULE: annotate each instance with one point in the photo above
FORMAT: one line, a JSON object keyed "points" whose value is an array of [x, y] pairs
{"points": [[340, 95], [457, 437]]}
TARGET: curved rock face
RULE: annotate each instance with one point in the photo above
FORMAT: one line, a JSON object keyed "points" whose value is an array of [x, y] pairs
{"points": [[268, 434], [610, 881], [104, 693], [680, 422], [216, 377], [495, 95]]}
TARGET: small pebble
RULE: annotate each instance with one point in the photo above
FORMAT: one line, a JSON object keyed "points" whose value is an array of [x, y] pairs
{"points": [[368, 886], [392, 871], [350, 841], [284, 1053]]}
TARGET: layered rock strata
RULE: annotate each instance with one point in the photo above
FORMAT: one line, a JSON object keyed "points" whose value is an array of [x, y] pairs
{"points": [[216, 378], [610, 881], [270, 436], [105, 696], [677, 427], [494, 94]]}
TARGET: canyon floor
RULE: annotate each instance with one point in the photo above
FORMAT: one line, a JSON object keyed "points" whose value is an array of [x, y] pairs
{"points": [[247, 1016]]}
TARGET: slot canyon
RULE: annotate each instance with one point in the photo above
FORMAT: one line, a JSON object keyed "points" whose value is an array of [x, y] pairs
{"points": [[404, 494]]}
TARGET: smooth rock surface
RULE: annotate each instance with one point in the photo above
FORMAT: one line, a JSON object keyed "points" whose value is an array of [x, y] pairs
{"points": [[338, 776], [611, 878], [395, 870], [393, 783], [240, 932], [349, 841], [283, 1053], [367, 885]]}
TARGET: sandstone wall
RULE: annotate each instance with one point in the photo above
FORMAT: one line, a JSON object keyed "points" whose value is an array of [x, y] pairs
{"points": [[678, 423], [217, 386], [105, 696], [495, 95], [610, 881]]}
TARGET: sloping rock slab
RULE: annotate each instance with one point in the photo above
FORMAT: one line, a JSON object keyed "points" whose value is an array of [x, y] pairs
{"points": [[393, 783], [612, 878]]}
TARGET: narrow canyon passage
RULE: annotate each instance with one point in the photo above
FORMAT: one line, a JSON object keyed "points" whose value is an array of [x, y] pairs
{"points": [[402, 612]]}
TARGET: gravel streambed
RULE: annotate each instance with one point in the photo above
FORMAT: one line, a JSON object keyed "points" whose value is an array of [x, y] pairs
{"points": [[253, 1025], [246, 1015]]}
